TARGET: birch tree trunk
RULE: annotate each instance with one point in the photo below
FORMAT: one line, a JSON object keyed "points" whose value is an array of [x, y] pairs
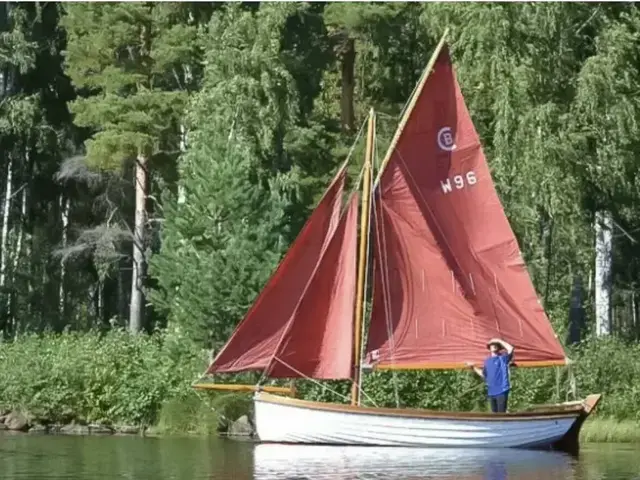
{"points": [[188, 78], [64, 216], [182, 196], [136, 309], [6, 210], [17, 254], [603, 271]]}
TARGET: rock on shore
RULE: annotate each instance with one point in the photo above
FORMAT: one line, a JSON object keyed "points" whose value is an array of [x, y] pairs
{"points": [[243, 428], [18, 421]]}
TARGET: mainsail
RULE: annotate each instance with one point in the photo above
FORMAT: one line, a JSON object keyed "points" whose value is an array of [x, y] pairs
{"points": [[300, 324], [448, 272]]}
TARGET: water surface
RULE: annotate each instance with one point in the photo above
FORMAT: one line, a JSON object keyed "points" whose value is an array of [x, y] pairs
{"points": [[107, 458]]}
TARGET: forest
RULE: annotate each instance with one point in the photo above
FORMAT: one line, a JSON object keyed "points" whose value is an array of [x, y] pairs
{"points": [[159, 158]]}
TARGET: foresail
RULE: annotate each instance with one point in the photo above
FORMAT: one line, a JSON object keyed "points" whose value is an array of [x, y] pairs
{"points": [[319, 342], [256, 339], [448, 272]]}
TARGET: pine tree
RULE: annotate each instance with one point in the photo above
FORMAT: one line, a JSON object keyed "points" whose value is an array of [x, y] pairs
{"points": [[131, 59], [221, 243]]}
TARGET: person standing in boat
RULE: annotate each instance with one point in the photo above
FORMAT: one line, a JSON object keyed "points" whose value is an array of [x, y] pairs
{"points": [[495, 373]]}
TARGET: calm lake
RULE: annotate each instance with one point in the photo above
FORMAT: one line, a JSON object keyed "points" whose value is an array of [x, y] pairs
{"points": [[106, 458]]}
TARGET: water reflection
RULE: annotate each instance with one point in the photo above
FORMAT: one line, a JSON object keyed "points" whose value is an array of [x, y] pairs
{"points": [[30, 457], [277, 462]]}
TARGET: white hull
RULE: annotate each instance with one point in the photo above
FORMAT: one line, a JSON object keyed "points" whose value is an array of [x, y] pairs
{"points": [[283, 420]]}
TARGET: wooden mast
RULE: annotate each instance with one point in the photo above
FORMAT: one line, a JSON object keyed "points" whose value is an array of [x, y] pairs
{"points": [[362, 256], [366, 203]]}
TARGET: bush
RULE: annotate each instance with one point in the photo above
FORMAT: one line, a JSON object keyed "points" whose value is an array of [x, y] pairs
{"points": [[119, 378], [112, 378]]}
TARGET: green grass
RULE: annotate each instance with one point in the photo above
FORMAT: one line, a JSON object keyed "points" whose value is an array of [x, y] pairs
{"points": [[189, 415], [201, 414], [609, 430]]}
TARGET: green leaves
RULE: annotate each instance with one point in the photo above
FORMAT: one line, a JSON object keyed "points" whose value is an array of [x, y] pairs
{"points": [[114, 378], [221, 243], [130, 57], [16, 48]]}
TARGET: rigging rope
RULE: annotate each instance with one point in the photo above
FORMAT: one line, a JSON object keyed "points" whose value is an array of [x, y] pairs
{"points": [[320, 384], [571, 378], [386, 294]]}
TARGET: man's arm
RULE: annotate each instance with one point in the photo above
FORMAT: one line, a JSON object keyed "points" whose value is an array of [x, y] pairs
{"points": [[507, 346], [479, 371]]}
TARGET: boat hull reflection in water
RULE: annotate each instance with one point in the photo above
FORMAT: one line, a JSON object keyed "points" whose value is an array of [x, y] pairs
{"points": [[275, 461]]}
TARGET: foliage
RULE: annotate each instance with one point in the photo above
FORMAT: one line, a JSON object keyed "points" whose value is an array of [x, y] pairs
{"points": [[228, 233], [111, 378], [116, 378], [119, 53], [603, 430]]}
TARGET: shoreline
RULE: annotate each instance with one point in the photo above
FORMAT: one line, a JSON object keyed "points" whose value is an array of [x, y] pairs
{"points": [[610, 430], [595, 430]]}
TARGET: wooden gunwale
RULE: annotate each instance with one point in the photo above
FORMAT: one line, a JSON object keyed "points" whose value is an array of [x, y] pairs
{"points": [[555, 412]]}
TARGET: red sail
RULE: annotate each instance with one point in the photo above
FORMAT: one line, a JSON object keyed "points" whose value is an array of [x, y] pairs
{"points": [[448, 274], [319, 342], [256, 339]]}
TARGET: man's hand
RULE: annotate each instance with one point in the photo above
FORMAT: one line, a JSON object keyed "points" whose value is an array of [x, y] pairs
{"points": [[369, 366], [473, 367], [507, 346]]}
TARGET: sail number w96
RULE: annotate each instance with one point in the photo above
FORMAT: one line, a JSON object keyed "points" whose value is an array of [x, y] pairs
{"points": [[458, 181]]}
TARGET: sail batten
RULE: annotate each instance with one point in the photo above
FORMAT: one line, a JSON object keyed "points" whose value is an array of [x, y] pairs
{"points": [[259, 337], [449, 273]]}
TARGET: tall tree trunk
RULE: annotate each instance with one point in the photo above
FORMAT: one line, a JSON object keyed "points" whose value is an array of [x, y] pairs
{"points": [[182, 196], [4, 236], [122, 298], [348, 85], [576, 312], [136, 309], [603, 271], [100, 302], [17, 254], [64, 216], [188, 79]]}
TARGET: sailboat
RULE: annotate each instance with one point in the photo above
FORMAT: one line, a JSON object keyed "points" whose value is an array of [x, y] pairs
{"points": [[448, 275]]}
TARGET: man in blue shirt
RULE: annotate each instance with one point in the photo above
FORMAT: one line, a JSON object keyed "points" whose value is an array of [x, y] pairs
{"points": [[495, 373]]}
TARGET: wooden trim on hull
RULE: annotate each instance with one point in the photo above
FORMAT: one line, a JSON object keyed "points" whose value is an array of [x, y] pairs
{"points": [[552, 411], [245, 388]]}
